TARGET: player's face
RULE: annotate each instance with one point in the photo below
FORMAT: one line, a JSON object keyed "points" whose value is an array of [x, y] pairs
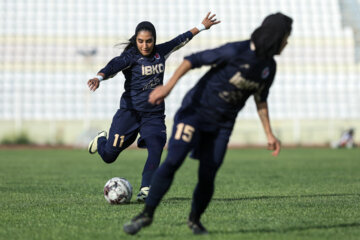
{"points": [[283, 44], [145, 42]]}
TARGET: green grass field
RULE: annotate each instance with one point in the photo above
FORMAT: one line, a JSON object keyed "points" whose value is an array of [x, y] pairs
{"points": [[302, 194]]}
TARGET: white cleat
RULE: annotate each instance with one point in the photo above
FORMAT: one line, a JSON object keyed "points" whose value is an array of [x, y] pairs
{"points": [[142, 195], [93, 144]]}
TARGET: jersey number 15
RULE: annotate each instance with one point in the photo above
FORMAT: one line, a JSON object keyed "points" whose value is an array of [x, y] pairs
{"points": [[184, 132]]}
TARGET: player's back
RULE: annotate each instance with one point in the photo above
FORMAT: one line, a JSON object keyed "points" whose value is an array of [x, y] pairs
{"points": [[236, 74]]}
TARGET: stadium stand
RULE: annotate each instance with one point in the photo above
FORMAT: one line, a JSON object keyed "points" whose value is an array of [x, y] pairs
{"points": [[49, 49]]}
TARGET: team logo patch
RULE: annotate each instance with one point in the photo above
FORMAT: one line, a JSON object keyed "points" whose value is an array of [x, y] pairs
{"points": [[265, 73], [157, 56]]}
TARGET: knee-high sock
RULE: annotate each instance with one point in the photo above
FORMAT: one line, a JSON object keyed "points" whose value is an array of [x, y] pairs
{"points": [[164, 175], [163, 178], [155, 147], [106, 154], [210, 162], [159, 186], [203, 192]]}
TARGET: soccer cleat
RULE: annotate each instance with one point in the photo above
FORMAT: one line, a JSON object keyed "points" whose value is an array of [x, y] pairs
{"points": [[138, 222], [142, 195], [196, 227], [93, 144]]}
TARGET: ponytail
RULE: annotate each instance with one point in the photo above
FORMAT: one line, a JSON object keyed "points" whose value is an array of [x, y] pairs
{"points": [[131, 43], [147, 26]]}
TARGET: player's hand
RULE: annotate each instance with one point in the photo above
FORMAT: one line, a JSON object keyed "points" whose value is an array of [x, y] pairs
{"points": [[158, 94], [93, 84], [274, 145], [210, 20]]}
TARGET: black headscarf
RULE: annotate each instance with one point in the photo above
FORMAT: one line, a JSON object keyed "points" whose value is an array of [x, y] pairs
{"points": [[269, 36]]}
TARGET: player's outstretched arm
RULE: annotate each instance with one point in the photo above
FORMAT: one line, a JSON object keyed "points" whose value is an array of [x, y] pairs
{"points": [[273, 142], [206, 24], [161, 92], [94, 83]]}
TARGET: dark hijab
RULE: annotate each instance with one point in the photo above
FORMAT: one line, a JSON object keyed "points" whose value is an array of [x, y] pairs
{"points": [[269, 36]]}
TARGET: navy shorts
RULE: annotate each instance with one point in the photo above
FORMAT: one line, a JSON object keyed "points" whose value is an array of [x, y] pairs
{"points": [[192, 133], [127, 124]]}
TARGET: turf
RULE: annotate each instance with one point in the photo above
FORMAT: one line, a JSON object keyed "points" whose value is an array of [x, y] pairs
{"points": [[302, 194]]}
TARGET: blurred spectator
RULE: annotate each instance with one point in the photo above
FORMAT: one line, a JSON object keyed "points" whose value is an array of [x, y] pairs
{"points": [[346, 140]]}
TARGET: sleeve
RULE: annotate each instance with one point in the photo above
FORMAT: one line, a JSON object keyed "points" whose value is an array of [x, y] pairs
{"points": [[171, 46], [213, 56], [117, 64], [262, 94]]}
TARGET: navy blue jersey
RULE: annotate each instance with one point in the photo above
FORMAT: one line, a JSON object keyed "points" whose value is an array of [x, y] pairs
{"points": [[143, 74], [235, 75]]}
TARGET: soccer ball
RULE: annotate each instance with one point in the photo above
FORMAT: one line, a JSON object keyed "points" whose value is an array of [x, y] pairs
{"points": [[118, 191]]}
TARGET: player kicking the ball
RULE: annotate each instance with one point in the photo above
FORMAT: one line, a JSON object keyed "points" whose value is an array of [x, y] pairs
{"points": [[205, 120], [143, 65]]}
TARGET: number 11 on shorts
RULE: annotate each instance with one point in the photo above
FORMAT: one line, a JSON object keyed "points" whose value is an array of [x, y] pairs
{"points": [[117, 138], [184, 132]]}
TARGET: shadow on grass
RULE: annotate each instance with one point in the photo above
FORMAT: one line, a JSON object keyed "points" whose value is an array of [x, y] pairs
{"points": [[286, 230], [135, 203], [268, 197], [269, 230], [279, 230]]}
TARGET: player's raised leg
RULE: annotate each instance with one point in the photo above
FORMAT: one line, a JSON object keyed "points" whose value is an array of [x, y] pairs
{"points": [[122, 133], [93, 145]]}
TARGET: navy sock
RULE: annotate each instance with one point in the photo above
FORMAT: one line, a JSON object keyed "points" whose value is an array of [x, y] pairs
{"points": [[155, 147], [149, 211], [204, 190], [146, 178], [159, 186], [201, 199], [194, 217]]}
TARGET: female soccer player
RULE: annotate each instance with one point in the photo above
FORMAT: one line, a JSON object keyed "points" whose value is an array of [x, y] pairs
{"points": [[204, 122], [143, 64]]}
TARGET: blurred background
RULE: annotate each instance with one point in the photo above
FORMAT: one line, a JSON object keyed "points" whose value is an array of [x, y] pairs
{"points": [[49, 50]]}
